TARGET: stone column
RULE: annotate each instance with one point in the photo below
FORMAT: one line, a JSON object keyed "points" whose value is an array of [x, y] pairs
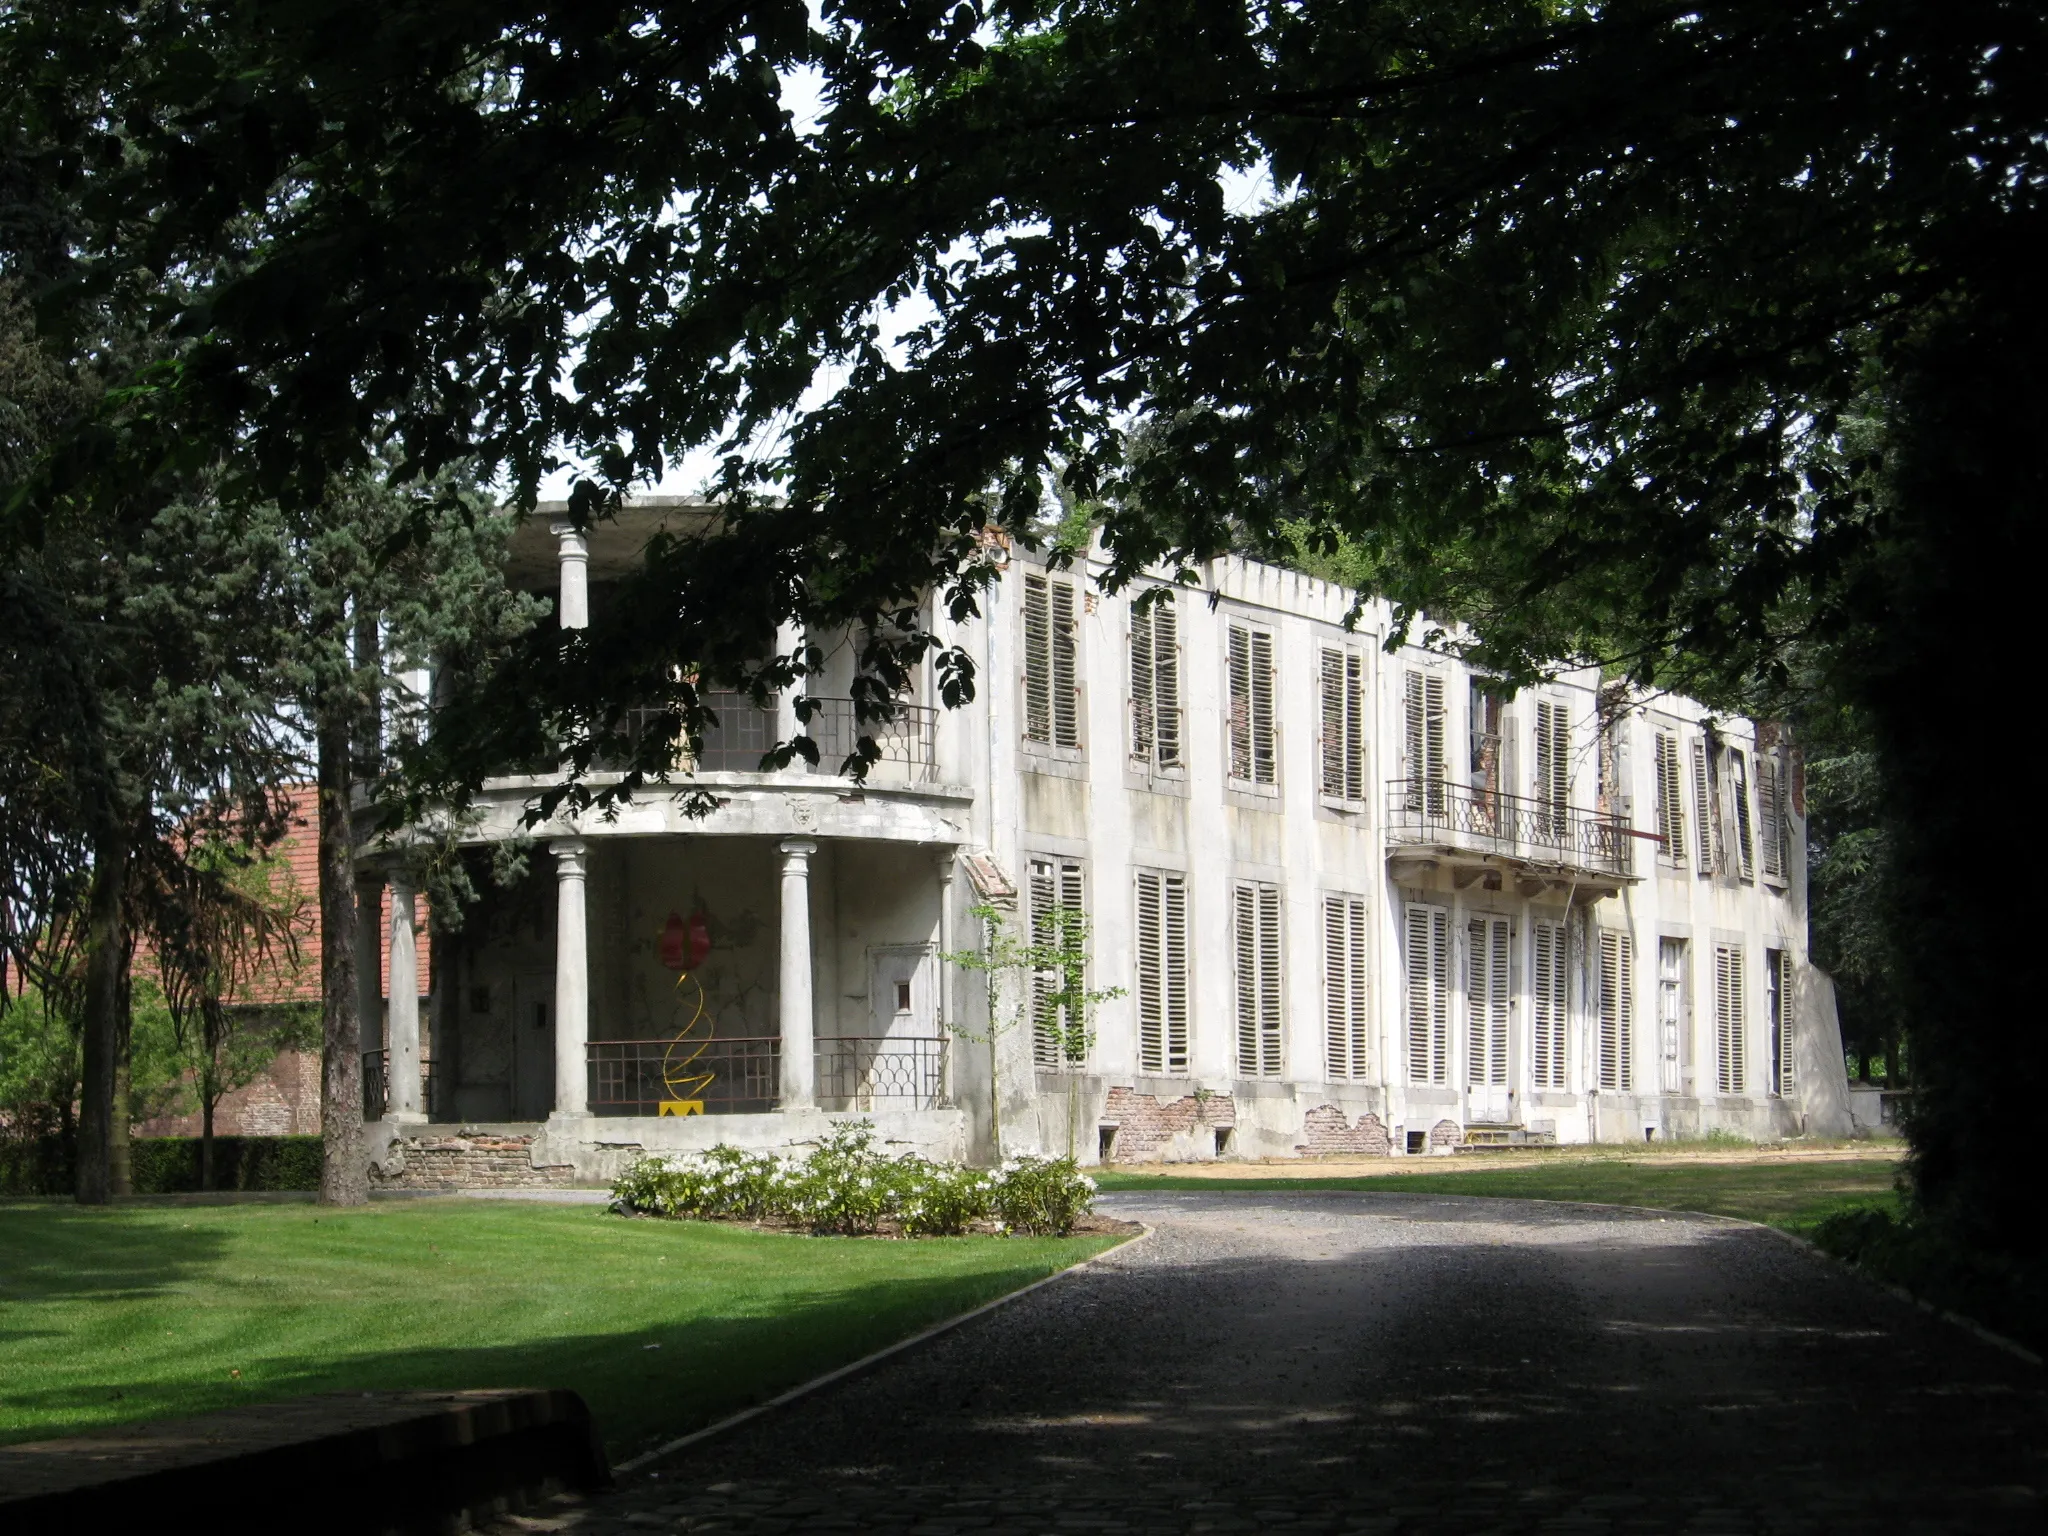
{"points": [[798, 1031], [572, 977], [787, 638], [572, 609], [942, 984], [402, 1009], [370, 959]]}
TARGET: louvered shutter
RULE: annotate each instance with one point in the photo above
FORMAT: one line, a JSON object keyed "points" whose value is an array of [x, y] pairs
{"points": [[1174, 964], [1270, 1015], [1670, 799], [1245, 920], [1043, 891], [1617, 1011], [1333, 724], [1429, 985], [1144, 703], [1770, 805], [1239, 669], [1354, 726], [1781, 1018], [1738, 784], [1037, 660], [1488, 942], [1709, 838], [1166, 682], [1425, 732], [1553, 768], [1151, 976], [1066, 700], [1265, 738], [1344, 986], [1547, 1024], [1730, 1034], [1258, 980]]}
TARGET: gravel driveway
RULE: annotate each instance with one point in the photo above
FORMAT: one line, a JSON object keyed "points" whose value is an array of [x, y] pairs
{"points": [[1388, 1362]]}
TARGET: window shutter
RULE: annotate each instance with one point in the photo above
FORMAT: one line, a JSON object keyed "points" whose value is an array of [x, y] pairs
{"points": [[1245, 918], [1738, 784], [1174, 959], [1780, 963], [1043, 892], [1553, 768], [1344, 983], [1425, 722], [1730, 1035], [1037, 660], [1258, 980], [1547, 1026], [1354, 726], [1144, 704], [1670, 1009], [1065, 682], [1429, 986], [1703, 809], [1670, 802], [1151, 974], [1333, 743], [1270, 1015], [1770, 808], [1617, 1011], [1265, 741], [1166, 681], [1486, 1000], [1239, 668]]}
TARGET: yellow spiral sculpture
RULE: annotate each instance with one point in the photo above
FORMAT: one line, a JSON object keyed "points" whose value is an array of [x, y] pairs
{"points": [[679, 1072]]}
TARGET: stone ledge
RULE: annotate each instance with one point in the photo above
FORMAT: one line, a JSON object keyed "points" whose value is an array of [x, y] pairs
{"points": [[369, 1462]]}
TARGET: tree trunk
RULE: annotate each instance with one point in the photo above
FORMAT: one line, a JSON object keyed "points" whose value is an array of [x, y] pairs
{"points": [[206, 1103], [344, 1175], [120, 1135], [106, 956]]}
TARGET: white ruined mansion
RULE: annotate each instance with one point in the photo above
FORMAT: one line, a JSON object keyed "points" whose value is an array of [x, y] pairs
{"points": [[1356, 901]]}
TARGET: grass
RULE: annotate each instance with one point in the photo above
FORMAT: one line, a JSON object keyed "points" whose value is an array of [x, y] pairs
{"points": [[1793, 1193], [139, 1312]]}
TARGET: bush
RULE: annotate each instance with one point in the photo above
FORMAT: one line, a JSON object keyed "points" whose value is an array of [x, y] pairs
{"points": [[849, 1186], [169, 1165], [1991, 1289]]}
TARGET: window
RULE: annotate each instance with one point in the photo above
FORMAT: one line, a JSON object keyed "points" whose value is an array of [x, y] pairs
{"points": [[1056, 1039], [1345, 1017], [1670, 799], [1052, 712], [1343, 725], [1611, 766], [1155, 685], [1258, 979], [1488, 942], [1162, 972], [1617, 1011], [1489, 746], [1425, 742], [1253, 755], [1429, 993], [1553, 770], [1547, 1006], [1731, 1042], [1738, 787], [1703, 809], [1778, 992], [1670, 1011], [1770, 808]]}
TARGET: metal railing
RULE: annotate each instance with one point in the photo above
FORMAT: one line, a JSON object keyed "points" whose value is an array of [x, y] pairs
{"points": [[377, 1085], [737, 1076], [856, 1072], [1488, 821], [907, 742]]}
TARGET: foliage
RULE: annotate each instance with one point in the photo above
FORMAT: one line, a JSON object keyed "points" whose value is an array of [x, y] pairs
{"points": [[173, 1165], [1991, 1288], [662, 1326], [848, 1186]]}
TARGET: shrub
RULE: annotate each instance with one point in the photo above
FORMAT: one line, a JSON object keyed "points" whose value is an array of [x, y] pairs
{"points": [[848, 1185], [1044, 1196]]}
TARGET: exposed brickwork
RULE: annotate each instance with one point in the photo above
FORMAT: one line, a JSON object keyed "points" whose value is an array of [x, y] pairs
{"points": [[284, 1100], [1325, 1132], [1145, 1126], [467, 1162], [1445, 1133]]}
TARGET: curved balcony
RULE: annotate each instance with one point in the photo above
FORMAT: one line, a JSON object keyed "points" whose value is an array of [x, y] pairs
{"points": [[1474, 829]]}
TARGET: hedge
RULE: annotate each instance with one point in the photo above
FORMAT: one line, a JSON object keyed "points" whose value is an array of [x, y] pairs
{"points": [[169, 1165]]}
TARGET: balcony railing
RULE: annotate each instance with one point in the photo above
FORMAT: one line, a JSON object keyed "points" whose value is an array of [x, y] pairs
{"points": [[377, 1085], [856, 1072], [1486, 821], [737, 1076], [745, 732]]}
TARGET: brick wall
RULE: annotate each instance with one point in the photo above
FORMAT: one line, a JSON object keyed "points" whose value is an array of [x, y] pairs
{"points": [[1145, 1125], [474, 1161], [1325, 1132], [1445, 1133], [284, 1100]]}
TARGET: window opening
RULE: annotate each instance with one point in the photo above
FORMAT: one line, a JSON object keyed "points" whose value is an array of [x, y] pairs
{"points": [[1253, 747], [1617, 1011], [1162, 972], [1429, 993], [1155, 685], [1056, 1039], [1547, 1010], [1488, 943], [1051, 705], [1343, 682], [1730, 1031], [1258, 979], [1345, 1016]]}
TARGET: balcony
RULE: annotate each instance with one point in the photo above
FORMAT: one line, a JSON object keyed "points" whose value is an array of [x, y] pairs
{"points": [[1478, 830], [744, 732], [743, 1075]]}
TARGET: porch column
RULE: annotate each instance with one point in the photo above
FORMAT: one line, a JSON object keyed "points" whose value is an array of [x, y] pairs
{"points": [[797, 1029], [370, 959], [402, 1009], [787, 638], [572, 977], [572, 609]]}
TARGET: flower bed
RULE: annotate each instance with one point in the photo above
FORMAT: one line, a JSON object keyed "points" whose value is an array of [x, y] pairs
{"points": [[850, 1187]]}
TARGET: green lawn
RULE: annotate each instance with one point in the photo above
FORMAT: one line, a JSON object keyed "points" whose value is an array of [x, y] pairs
{"points": [[1793, 1194], [146, 1312]]}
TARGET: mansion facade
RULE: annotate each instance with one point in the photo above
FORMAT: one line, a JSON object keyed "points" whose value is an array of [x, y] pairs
{"points": [[1351, 900]]}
